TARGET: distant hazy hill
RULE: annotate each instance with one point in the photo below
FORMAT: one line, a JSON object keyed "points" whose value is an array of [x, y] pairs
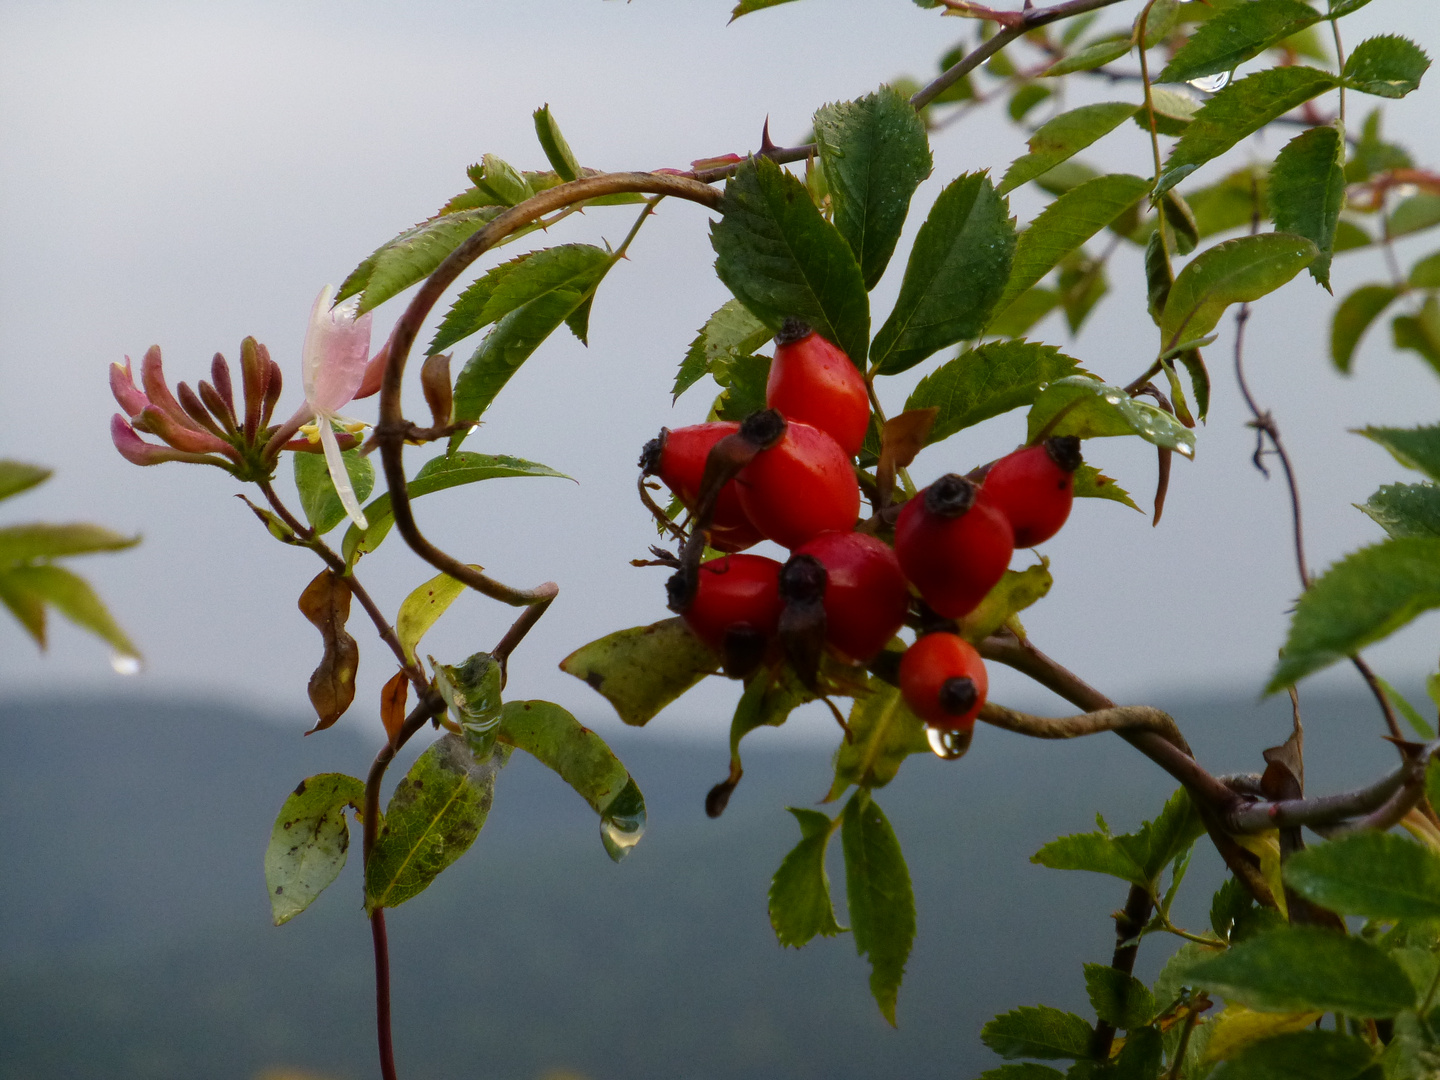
{"points": [[135, 940]]}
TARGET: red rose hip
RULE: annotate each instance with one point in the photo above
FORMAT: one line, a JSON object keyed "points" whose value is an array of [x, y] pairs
{"points": [[813, 381], [943, 680], [953, 545], [1034, 488], [866, 596], [802, 486], [678, 458], [735, 596]]}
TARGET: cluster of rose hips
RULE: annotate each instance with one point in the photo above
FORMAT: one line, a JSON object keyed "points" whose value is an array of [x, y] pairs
{"points": [[787, 474]]}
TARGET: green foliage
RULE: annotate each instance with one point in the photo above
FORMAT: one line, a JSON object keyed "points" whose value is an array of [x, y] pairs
{"points": [[779, 257], [879, 896], [1241, 109], [318, 497], [987, 381], [583, 760], [1299, 968], [1300, 1055], [1138, 857], [1307, 189], [727, 336], [18, 476], [956, 272], [527, 305], [1085, 407], [1091, 483], [800, 905], [29, 589], [745, 7], [557, 150], [744, 379], [413, 255], [883, 733], [1406, 509], [1013, 593], [1118, 998], [1419, 212], [422, 609], [467, 314], [1389, 66], [31, 542], [1038, 1031], [1092, 56], [1065, 224], [1062, 137], [1235, 35], [875, 155], [309, 842], [437, 474], [1378, 875], [1232, 272], [643, 669], [434, 816], [1363, 598], [1353, 317]]}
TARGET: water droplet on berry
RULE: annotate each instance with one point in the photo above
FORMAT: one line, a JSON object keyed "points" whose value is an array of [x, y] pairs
{"points": [[948, 744]]}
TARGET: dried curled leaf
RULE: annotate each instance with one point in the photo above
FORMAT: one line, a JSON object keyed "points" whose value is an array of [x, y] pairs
{"points": [[326, 603]]}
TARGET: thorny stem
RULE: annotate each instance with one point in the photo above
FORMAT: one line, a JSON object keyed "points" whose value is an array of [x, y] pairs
{"points": [[1128, 924], [392, 428]]}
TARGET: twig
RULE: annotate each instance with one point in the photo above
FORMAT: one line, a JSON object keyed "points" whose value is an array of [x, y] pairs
{"points": [[1122, 718], [1128, 924]]}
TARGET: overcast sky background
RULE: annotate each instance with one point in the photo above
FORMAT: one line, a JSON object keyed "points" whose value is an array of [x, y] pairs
{"points": [[187, 174]]}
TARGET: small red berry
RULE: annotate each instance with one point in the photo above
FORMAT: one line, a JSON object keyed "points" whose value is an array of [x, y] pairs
{"points": [[804, 485], [678, 458], [813, 381], [1034, 488], [953, 545], [943, 681], [866, 596], [735, 595]]}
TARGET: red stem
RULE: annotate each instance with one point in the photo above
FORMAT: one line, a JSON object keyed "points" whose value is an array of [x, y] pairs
{"points": [[382, 994]]}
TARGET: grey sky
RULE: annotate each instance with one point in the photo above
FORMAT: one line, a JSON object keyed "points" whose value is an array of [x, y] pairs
{"points": [[188, 174]]}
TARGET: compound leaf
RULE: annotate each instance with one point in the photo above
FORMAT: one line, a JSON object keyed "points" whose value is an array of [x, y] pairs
{"points": [[986, 381]]}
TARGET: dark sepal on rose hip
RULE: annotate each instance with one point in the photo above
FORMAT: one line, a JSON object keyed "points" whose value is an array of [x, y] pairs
{"points": [[680, 590], [1064, 451], [651, 453], [802, 621], [958, 695], [950, 496], [793, 330], [743, 651]]}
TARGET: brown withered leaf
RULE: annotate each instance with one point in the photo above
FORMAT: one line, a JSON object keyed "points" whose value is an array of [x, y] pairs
{"points": [[392, 704], [326, 603], [900, 440], [435, 382]]}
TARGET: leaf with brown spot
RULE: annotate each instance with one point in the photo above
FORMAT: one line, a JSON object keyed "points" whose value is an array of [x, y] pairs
{"points": [[326, 603], [392, 704], [902, 438]]}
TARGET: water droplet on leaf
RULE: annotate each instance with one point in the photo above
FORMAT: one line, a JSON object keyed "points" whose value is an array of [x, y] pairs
{"points": [[124, 664], [1211, 83]]}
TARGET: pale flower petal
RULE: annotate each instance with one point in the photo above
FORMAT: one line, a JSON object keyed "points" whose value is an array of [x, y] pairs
{"points": [[338, 475], [337, 349]]}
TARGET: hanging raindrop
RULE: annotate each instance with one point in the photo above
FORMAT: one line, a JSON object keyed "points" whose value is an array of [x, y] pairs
{"points": [[948, 743], [124, 664]]}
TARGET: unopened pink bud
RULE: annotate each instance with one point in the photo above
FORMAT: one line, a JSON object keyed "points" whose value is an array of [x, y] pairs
{"points": [[122, 385]]}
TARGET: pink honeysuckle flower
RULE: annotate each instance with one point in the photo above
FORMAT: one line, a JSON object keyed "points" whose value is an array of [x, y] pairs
{"points": [[333, 362]]}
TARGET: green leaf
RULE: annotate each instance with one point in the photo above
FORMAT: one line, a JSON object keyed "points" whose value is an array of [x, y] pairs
{"points": [[1023, 1071], [1349, 237], [1421, 726], [1300, 968], [423, 608], [1091, 56], [957, 270], [1092, 851], [434, 816], [1415, 448], [727, 336], [413, 255], [1117, 997], [771, 695], [318, 497], [1091, 483], [1415, 214], [1015, 591], [780, 257], [1378, 875], [1085, 407], [1300, 1055], [1232, 203], [500, 179], [875, 155], [557, 150], [437, 474], [1389, 66], [1025, 99], [583, 760], [27, 589], [17, 476], [643, 669], [745, 7], [800, 905], [1353, 317], [536, 297], [1406, 509], [1161, 841], [1024, 313], [1363, 598], [744, 380], [1420, 333], [1241, 109], [1038, 1031], [471, 691], [883, 733], [309, 842], [1231, 272], [1307, 189], [986, 381], [1174, 110], [878, 893], [1066, 224], [1425, 274], [1138, 857], [24, 543], [467, 315], [1236, 34]]}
